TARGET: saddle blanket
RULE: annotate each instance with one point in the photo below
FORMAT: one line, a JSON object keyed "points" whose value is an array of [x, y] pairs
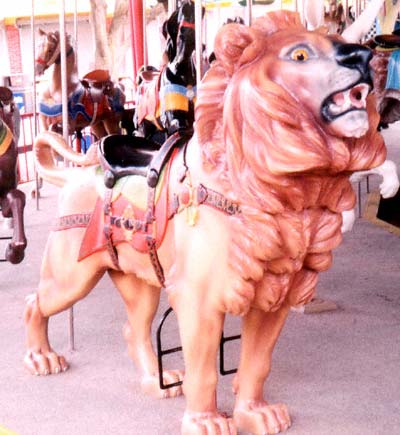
{"points": [[393, 72], [81, 105]]}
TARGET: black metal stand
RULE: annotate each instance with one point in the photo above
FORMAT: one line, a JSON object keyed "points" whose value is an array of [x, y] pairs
{"points": [[222, 354], [161, 352], [2, 260]]}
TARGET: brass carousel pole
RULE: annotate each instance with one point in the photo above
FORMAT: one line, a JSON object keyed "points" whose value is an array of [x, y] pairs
{"points": [[171, 6], [35, 120], [249, 12], [145, 54], [64, 99], [199, 40]]}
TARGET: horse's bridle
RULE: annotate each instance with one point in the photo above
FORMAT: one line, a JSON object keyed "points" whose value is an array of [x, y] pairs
{"points": [[186, 24], [55, 57]]}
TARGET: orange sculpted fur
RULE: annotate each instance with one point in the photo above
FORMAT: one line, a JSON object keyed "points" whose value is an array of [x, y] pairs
{"points": [[283, 118]]}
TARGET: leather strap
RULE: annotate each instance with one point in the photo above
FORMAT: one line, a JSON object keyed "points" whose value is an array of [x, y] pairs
{"points": [[163, 155], [206, 196], [79, 220], [107, 229], [155, 261], [150, 238]]}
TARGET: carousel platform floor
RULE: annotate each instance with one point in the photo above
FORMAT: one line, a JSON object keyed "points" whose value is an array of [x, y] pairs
{"points": [[338, 371]]}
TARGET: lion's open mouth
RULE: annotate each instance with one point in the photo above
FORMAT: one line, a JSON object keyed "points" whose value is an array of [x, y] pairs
{"points": [[342, 102]]}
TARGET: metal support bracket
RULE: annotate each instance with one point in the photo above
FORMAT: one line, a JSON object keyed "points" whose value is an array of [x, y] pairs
{"points": [[161, 352], [2, 260]]}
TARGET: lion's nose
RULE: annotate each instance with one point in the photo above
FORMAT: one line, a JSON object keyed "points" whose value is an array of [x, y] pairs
{"points": [[354, 56]]}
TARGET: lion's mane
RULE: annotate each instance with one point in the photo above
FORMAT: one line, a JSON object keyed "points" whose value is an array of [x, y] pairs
{"points": [[279, 162]]}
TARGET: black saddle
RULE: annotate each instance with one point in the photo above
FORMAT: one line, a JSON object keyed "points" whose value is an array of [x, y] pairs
{"points": [[122, 155], [390, 41]]}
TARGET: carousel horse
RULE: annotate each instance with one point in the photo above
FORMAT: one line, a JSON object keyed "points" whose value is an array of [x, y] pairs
{"points": [[385, 66], [165, 99], [12, 200], [242, 218], [9, 112], [94, 101]]}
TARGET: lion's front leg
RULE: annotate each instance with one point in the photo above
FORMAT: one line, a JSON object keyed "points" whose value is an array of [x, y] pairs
{"points": [[252, 412], [200, 329]]}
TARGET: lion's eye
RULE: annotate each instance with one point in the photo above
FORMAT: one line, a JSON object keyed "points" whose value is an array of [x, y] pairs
{"points": [[299, 55]]}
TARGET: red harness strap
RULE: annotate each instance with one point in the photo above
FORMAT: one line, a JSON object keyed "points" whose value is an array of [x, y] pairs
{"points": [[202, 195], [78, 220], [110, 224]]}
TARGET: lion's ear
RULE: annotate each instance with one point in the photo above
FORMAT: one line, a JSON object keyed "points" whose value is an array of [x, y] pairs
{"points": [[231, 43]]}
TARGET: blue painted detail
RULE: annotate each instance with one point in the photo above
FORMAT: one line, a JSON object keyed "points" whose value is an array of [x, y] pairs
{"points": [[393, 71], [50, 110], [76, 106], [115, 101], [178, 89]]}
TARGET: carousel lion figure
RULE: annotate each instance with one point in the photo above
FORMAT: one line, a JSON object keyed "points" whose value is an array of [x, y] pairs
{"points": [[245, 215]]}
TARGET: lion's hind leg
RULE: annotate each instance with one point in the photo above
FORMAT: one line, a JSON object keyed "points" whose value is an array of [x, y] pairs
{"points": [[141, 301], [252, 412], [63, 282]]}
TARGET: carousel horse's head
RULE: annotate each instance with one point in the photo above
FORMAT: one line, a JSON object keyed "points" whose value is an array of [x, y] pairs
{"points": [[180, 32], [48, 50], [7, 106]]}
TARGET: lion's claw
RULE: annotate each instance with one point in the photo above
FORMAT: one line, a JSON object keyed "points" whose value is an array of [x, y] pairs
{"points": [[259, 418], [207, 423], [151, 385], [40, 364]]}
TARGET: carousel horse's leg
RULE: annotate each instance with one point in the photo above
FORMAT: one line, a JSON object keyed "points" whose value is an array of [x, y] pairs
{"points": [[141, 301], [12, 206], [63, 282], [259, 334], [99, 130], [111, 124]]}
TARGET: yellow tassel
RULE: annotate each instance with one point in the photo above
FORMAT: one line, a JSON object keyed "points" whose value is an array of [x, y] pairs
{"points": [[192, 214]]}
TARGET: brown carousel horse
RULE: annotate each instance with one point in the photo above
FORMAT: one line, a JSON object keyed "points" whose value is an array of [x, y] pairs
{"points": [[9, 112], [12, 200], [165, 99], [384, 64], [93, 101]]}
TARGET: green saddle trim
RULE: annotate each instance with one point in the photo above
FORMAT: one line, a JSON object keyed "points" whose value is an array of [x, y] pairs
{"points": [[5, 138], [133, 187]]}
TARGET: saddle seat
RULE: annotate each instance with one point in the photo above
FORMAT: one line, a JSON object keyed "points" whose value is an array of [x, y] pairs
{"points": [[384, 42], [98, 82], [122, 155]]}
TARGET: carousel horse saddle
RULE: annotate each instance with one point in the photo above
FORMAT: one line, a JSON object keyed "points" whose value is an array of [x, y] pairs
{"points": [[390, 41], [122, 155], [98, 79]]}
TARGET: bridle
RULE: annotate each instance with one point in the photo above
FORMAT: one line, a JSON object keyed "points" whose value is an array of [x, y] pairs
{"points": [[55, 56]]}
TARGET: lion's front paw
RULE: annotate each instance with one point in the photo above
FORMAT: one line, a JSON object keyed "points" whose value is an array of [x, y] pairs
{"points": [[207, 423], [45, 363], [151, 384], [259, 418]]}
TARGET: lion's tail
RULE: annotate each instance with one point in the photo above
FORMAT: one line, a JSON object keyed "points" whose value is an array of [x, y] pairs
{"points": [[48, 142]]}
